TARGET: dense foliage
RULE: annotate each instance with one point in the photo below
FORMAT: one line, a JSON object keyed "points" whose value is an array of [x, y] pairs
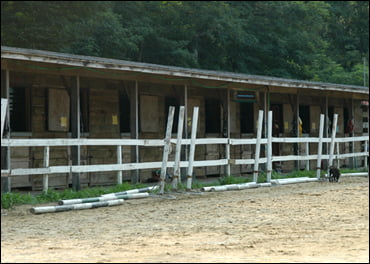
{"points": [[324, 41]]}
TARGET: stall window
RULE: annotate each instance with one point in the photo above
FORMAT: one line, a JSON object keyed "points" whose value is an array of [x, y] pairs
{"points": [[331, 116], [20, 109], [124, 114], [213, 116], [246, 118], [85, 109], [304, 114], [278, 120]]}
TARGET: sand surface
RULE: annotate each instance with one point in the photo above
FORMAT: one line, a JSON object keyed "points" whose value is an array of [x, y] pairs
{"points": [[306, 222]]}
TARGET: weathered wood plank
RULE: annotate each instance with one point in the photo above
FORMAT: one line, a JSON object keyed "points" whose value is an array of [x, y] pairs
{"points": [[166, 149], [192, 147], [180, 126]]}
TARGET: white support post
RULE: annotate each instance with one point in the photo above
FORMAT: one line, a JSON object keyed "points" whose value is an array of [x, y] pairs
{"points": [[119, 161], [166, 148], [319, 148], [186, 118], [45, 177], [269, 147], [332, 142], [258, 145], [4, 106], [227, 150], [192, 148], [180, 126], [307, 153]]}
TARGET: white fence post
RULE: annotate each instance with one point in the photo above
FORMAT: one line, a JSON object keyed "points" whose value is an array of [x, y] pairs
{"points": [[4, 105], [269, 147], [192, 147], [176, 171], [307, 154], [258, 145], [45, 177], [119, 161], [332, 143], [166, 148], [319, 149]]}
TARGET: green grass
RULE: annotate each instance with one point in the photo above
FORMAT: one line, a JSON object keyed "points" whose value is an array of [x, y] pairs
{"points": [[9, 200]]}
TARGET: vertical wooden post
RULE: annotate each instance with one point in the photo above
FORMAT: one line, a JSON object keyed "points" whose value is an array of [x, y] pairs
{"points": [[319, 148], [45, 177], [185, 148], [119, 161], [258, 145], [137, 153], [227, 149], [5, 152], [298, 162], [180, 125], [192, 147], [166, 148], [332, 142], [269, 147], [266, 109], [354, 160], [134, 129], [75, 128]]}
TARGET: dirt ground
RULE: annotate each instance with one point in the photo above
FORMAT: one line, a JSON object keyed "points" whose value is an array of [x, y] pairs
{"points": [[305, 222]]}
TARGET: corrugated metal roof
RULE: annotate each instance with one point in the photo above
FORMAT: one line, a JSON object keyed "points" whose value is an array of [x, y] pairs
{"points": [[114, 64]]}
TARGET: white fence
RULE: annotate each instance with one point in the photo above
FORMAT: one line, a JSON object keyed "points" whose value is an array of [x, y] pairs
{"points": [[119, 143]]}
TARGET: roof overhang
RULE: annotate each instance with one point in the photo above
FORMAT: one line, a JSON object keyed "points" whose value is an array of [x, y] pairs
{"points": [[48, 57]]}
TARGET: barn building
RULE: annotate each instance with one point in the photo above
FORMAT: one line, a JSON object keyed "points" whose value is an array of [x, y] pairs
{"points": [[58, 95]]}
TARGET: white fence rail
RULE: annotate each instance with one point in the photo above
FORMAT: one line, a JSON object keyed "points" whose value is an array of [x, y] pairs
{"points": [[119, 166]]}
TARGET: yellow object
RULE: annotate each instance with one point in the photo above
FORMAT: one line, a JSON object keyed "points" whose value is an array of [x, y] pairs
{"points": [[114, 120], [63, 121]]}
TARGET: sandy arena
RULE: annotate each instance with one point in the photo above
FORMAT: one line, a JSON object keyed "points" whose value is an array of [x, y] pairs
{"points": [[305, 222]]}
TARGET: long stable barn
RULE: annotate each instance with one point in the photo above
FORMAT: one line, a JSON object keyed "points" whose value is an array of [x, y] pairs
{"points": [[57, 95]]}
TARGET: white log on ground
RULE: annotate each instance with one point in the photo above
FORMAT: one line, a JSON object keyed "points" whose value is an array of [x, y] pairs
{"points": [[62, 208]]}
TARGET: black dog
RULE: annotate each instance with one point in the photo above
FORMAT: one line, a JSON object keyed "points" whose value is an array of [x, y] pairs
{"points": [[334, 174]]}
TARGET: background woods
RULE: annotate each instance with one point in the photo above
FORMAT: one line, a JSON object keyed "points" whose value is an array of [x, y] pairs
{"points": [[309, 40]]}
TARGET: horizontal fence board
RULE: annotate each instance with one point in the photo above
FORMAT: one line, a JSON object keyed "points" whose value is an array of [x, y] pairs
{"points": [[80, 142], [246, 141], [206, 163], [160, 142], [57, 142], [247, 161], [297, 140], [295, 157], [349, 155]]}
